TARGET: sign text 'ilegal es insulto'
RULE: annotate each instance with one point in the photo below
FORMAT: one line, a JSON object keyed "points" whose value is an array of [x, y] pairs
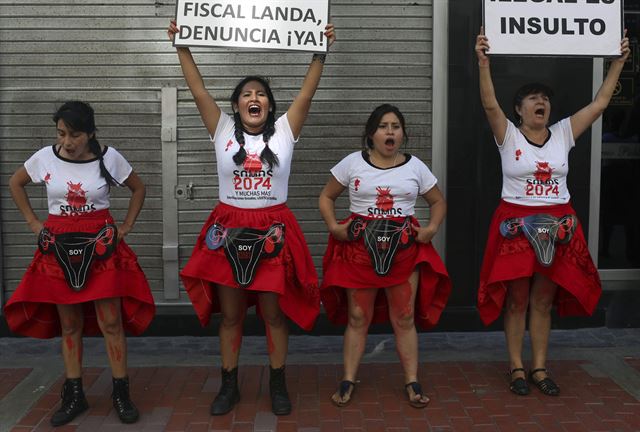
{"points": [[554, 27], [274, 24]]}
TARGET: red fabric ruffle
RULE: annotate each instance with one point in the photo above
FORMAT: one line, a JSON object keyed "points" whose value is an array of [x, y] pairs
{"points": [[31, 310], [291, 274], [505, 260], [347, 265]]}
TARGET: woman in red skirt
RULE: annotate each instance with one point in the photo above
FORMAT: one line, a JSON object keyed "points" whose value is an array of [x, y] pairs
{"points": [[251, 249], [84, 279], [536, 253], [380, 265]]}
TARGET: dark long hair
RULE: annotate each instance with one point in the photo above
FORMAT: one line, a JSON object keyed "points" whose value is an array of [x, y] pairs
{"points": [[78, 116], [526, 90], [266, 156], [374, 120]]}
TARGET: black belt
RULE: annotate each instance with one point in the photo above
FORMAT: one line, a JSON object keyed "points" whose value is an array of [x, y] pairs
{"points": [[244, 247], [382, 238], [543, 231], [75, 251]]}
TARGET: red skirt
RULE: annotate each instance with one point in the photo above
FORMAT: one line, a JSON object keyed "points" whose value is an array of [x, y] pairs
{"points": [[347, 265], [291, 273], [505, 260], [31, 310]]}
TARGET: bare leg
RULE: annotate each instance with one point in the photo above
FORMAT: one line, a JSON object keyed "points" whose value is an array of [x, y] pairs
{"points": [[72, 323], [110, 322], [402, 300], [543, 291], [233, 305], [516, 304], [276, 328], [361, 302]]}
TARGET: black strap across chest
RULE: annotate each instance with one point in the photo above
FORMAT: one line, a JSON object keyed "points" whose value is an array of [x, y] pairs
{"points": [[75, 251], [245, 247], [382, 238], [543, 232]]}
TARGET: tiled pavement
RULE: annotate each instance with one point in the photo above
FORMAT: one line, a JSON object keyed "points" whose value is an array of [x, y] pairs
{"points": [[598, 371]]}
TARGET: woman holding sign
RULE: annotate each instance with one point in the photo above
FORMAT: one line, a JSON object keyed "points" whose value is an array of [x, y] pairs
{"points": [[84, 278], [536, 253], [251, 249], [380, 265]]}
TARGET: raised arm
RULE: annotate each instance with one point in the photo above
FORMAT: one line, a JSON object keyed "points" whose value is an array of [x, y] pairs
{"points": [[138, 192], [297, 113], [326, 202], [207, 106], [584, 118], [495, 115], [17, 182]]}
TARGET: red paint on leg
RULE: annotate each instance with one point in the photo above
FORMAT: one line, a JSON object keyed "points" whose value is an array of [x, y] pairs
{"points": [[270, 345], [361, 298], [400, 300], [100, 314], [69, 342], [113, 309]]}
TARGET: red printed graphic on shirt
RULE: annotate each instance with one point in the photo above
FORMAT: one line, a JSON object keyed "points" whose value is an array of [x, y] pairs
{"points": [[356, 184], [254, 180], [47, 178], [518, 154], [543, 171], [252, 163], [229, 144], [384, 205], [76, 201], [542, 184], [384, 201]]}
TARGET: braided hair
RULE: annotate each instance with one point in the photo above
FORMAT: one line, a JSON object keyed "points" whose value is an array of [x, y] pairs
{"points": [[267, 155], [78, 116]]}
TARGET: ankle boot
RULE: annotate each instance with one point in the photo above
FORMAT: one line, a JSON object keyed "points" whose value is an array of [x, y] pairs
{"points": [[126, 410], [73, 402], [228, 395], [280, 403]]}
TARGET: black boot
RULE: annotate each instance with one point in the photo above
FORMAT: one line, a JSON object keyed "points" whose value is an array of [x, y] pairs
{"points": [[126, 410], [229, 395], [73, 402], [280, 403]]}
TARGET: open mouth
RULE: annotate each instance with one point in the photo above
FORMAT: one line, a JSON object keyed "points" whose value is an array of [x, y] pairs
{"points": [[539, 112], [389, 142], [254, 110]]}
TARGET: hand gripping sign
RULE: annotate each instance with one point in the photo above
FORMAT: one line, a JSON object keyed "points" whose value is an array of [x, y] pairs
{"points": [[75, 251], [542, 231], [245, 247], [296, 25], [554, 27]]}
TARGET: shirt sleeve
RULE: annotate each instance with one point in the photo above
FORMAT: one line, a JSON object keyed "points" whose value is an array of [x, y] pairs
{"points": [[117, 165], [567, 133], [225, 126], [508, 136], [283, 126], [341, 171], [426, 179], [36, 165]]}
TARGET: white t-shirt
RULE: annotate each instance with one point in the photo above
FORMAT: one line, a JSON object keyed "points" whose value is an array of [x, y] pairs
{"points": [[383, 193], [534, 175], [253, 185], [76, 187]]}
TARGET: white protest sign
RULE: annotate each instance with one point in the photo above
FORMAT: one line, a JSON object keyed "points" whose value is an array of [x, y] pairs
{"points": [[554, 27], [274, 24]]}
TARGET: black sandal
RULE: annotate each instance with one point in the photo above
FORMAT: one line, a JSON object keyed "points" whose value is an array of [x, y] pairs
{"points": [[417, 391], [519, 385], [546, 385], [343, 389]]}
